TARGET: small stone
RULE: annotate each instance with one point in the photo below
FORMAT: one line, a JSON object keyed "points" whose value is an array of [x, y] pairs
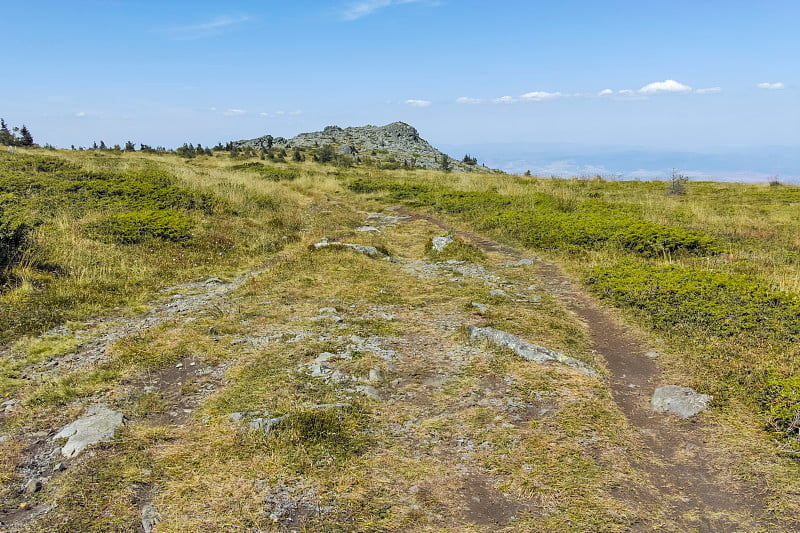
{"points": [[682, 401], [498, 293], [375, 375], [179, 365], [99, 425], [652, 354], [371, 229], [32, 486], [149, 517], [482, 308], [369, 391], [524, 262], [324, 357], [59, 467], [256, 424], [438, 244]]}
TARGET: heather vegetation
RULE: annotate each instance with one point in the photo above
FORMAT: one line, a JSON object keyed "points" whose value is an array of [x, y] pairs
{"points": [[78, 237], [691, 268], [272, 381]]}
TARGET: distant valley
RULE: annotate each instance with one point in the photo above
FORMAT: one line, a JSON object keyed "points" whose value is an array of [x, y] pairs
{"points": [[618, 162]]}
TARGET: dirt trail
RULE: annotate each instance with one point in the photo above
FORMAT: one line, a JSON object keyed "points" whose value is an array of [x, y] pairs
{"points": [[680, 463]]}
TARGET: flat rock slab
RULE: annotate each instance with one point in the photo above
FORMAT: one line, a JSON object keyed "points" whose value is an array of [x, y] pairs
{"points": [[370, 251], [682, 401], [530, 351], [98, 425]]}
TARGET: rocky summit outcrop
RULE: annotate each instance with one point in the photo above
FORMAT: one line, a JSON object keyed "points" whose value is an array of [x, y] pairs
{"points": [[396, 142]]}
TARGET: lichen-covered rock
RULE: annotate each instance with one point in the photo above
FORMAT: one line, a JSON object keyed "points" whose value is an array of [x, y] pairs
{"points": [[530, 351], [682, 401], [100, 424], [396, 142], [438, 244], [370, 251]]}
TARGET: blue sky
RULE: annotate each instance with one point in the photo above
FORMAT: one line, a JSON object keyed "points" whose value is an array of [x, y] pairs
{"points": [[679, 75]]}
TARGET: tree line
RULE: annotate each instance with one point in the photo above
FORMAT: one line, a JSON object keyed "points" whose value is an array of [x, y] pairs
{"points": [[16, 136]]}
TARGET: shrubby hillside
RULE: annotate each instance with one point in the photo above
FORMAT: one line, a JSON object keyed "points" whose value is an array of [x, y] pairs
{"points": [[264, 338]]}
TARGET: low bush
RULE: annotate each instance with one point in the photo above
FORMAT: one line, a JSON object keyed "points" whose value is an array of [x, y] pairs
{"points": [[137, 226], [653, 240], [14, 229], [545, 221], [781, 400], [711, 303], [270, 173]]}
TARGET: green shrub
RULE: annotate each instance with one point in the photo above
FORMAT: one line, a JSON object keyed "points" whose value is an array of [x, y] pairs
{"points": [[547, 221], [781, 400], [137, 226], [653, 240], [711, 303], [14, 229], [270, 173], [318, 436]]}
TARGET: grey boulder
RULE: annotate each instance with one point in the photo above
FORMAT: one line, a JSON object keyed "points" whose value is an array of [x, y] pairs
{"points": [[100, 424], [438, 244], [682, 401]]}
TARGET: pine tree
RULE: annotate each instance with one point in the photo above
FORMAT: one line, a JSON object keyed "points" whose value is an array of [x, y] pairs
{"points": [[130, 147], [444, 163], [103, 145], [26, 139], [5, 136]]}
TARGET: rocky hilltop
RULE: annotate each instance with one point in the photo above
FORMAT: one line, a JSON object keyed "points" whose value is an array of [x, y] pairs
{"points": [[395, 142]]}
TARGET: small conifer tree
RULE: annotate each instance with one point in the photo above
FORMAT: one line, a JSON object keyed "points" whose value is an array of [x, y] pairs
{"points": [[444, 163], [26, 139]]}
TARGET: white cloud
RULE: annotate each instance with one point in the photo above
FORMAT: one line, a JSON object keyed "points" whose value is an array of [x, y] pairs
{"points": [[709, 90], [505, 100], [357, 10], [468, 100], [627, 92], [666, 86], [210, 28], [766, 85], [263, 114], [538, 96], [605, 92], [418, 103], [296, 112], [80, 114], [234, 112]]}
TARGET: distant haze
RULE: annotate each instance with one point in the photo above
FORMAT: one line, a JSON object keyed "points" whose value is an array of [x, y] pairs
{"points": [[618, 162]]}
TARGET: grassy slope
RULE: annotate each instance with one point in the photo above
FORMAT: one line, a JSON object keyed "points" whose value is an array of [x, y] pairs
{"points": [[207, 476], [714, 272]]}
